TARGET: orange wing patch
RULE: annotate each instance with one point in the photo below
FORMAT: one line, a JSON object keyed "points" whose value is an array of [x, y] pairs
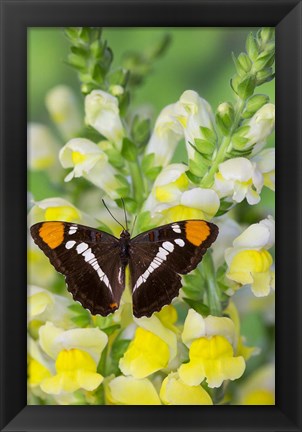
{"points": [[52, 233], [197, 232]]}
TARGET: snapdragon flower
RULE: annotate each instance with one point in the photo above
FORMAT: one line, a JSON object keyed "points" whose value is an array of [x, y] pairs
{"points": [[259, 388], [249, 261], [239, 178], [265, 161], [194, 112], [62, 106], [212, 351], [131, 391], [44, 305], [175, 392], [166, 134], [42, 147], [171, 198], [261, 125], [58, 209], [102, 113], [151, 349], [76, 353], [89, 161]]}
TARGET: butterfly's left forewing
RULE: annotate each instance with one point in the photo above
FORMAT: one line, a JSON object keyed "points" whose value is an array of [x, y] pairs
{"points": [[88, 258], [159, 256]]}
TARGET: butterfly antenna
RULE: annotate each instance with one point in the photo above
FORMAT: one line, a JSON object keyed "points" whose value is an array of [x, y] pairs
{"points": [[132, 229], [125, 213], [112, 215]]}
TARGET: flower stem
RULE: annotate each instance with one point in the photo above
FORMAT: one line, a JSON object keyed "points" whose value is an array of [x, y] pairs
{"points": [[138, 191], [208, 179], [212, 289]]}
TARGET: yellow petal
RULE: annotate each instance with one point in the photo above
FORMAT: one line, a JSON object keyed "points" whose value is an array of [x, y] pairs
{"points": [[38, 302], [65, 213], [147, 353], [181, 212], [88, 380], [59, 383], [131, 391], [36, 372], [175, 392], [73, 359], [192, 373], [259, 397]]}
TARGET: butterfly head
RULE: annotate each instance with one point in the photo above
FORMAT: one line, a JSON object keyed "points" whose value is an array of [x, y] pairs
{"points": [[125, 234]]}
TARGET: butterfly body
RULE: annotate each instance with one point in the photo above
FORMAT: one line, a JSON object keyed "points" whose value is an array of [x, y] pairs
{"points": [[94, 262]]}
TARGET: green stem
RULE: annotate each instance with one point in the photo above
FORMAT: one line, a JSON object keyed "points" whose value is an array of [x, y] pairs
{"points": [[138, 189], [212, 289], [208, 179]]}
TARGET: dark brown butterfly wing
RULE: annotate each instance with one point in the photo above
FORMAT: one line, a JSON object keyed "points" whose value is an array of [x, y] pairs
{"points": [[88, 258], [159, 256]]}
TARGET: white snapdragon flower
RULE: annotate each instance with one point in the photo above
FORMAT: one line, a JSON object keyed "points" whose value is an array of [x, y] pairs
{"points": [[165, 137], [102, 113], [89, 161], [193, 112], [239, 178], [58, 209], [42, 147], [63, 109], [249, 261], [265, 161], [261, 126], [171, 200], [44, 305]]}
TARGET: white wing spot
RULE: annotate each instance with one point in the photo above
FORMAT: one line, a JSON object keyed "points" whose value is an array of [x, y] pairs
{"points": [[168, 246], [82, 247], [70, 244], [73, 229], [179, 242], [176, 228]]}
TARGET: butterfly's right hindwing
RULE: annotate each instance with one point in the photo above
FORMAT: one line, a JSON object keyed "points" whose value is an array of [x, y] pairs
{"points": [[88, 258]]}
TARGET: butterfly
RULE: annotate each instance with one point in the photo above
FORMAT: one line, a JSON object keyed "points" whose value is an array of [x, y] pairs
{"points": [[94, 262]]}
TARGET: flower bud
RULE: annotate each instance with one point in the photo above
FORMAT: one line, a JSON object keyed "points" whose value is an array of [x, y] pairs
{"points": [[255, 102], [225, 117]]}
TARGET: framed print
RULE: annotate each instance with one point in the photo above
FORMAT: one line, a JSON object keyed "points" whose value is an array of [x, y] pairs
{"points": [[138, 241]]}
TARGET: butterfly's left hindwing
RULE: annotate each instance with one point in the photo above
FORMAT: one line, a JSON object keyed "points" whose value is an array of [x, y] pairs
{"points": [[88, 258], [158, 256]]}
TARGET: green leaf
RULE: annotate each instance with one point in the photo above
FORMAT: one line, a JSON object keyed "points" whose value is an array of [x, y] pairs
{"points": [[148, 161], [239, 69], [118, 77], [246, 87], [245, 62], [205, 147], [224, 207], [198, 306], [252, 47], [140, 130], [199, 166], [81, 320], [193, 178], [129, 150], [148, 167], [159, 48], [97, 74], [72, 33], [209, 134]]}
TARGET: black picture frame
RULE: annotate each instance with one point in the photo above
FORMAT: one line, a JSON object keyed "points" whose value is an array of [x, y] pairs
{"points": [[16, 16]]}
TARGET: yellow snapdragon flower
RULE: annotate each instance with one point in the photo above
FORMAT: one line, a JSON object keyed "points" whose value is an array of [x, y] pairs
{"points": [[211, 358], [151, 349], [75, 369], [175, 392], [248, 260], [131, 391]]}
